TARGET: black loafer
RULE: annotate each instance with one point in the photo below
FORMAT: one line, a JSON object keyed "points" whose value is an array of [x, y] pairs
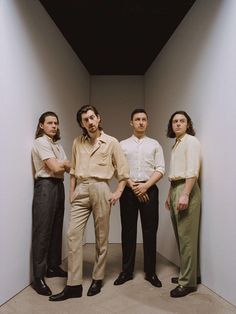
{"points": [[56, 272], [95, 287], [67, 293], [181, 291], [176, 280], [122, 278], [153, 279], [40, 286]]}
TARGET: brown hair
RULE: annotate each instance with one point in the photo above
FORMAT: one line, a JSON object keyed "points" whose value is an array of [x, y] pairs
{"points": [[190, 129], [137, 111], [85, 109], [39, 131]]}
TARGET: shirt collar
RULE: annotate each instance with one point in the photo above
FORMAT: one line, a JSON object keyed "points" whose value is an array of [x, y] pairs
{"points": [[101, 138], [181, 138], [138, 140], [178, 140], [49, 139]]}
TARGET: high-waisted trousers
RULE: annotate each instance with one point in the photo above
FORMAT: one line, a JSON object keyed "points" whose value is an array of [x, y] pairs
{"points": [[129, 208], [186, 228], [90, 196], [48, 214]]}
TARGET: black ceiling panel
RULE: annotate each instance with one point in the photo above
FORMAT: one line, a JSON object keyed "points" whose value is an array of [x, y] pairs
{"points": [[117, 37]]}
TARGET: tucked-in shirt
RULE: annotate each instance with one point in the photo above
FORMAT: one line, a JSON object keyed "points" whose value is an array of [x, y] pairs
{"points": [[145, 156], [100, 161], [44, 148], [185, 158]]}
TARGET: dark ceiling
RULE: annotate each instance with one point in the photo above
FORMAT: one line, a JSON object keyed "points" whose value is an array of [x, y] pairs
{"points": [[117, 37]]}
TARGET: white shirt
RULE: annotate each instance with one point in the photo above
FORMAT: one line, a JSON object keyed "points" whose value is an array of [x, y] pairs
{"points": [[145, 156], [185, 158], [44, 148]]}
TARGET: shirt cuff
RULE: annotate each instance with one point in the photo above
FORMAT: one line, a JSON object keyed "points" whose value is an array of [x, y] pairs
{"points": [[72, 171], [161, 170]]}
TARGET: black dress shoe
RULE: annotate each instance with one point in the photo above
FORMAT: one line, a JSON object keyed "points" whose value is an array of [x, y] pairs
{"points": [[95, 287], [56, 272], [181, 291], [176, 280], [40, 286], [122, 278], [67, 293], [153, 279]]}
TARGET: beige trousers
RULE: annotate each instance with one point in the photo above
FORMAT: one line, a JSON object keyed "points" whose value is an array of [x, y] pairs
{"points": [[89, 196]]}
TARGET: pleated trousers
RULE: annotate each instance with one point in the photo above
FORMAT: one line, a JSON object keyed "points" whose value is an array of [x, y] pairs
{"points": [[48, 214], [186, 227], [90, 196]]}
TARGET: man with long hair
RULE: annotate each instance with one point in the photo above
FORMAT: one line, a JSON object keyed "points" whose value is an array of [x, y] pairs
{"points": [[96, 157], [183, 200], [50, 163]]}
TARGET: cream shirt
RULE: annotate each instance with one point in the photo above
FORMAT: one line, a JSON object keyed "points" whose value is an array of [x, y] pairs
{"points": [[44, 148], [144, 156], [185, 158], [100, 161]]}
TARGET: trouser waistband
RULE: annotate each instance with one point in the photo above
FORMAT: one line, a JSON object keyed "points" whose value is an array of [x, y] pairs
{"points": [[177, 182], [91, 180], [49, 179], [140, 181]]}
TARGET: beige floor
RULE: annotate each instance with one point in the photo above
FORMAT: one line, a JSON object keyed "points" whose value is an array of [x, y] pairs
{"points": [[134, 297]]}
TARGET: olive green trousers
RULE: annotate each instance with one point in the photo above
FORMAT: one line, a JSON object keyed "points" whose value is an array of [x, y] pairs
{"points": [[186, 228]]}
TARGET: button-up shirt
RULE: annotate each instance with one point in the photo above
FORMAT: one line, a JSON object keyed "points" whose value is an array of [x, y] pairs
{"points": [[185, 158], [44, 148], [98, 161], [145, 156]]}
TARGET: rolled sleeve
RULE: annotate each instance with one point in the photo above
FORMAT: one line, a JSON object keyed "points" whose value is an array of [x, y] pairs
{"points": [[73, 158], [44, 148], [120, 163], [193, 158], [159, 160]]}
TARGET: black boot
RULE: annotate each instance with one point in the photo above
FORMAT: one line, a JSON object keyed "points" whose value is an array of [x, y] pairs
{"points": [[40, 286], [67, 293]]}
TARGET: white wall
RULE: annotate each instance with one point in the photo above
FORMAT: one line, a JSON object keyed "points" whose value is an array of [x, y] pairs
{"points": [[39, 72], [196, 72], [116, 97]]}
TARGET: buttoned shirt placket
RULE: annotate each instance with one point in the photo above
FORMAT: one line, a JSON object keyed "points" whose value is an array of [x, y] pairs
{"points": [[139, 143]]}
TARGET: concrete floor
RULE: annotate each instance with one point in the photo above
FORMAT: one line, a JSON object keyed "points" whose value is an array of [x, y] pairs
{"points": [[137, 296]]}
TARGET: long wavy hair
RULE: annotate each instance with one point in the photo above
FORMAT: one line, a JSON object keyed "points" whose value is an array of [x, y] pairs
{"points": [[85, 109], [190, 129], [40, 132]]}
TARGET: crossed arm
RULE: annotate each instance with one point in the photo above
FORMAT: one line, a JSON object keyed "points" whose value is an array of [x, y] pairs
{"points": [[56, 166]]}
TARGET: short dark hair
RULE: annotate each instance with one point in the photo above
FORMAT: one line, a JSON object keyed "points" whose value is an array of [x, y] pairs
{"points": [[40, 132], [190, 129], [85, 109], [137, 111]]}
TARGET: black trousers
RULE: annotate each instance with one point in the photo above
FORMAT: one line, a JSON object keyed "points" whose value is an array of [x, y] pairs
{"points": [[129, 208], [48, 214]]}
